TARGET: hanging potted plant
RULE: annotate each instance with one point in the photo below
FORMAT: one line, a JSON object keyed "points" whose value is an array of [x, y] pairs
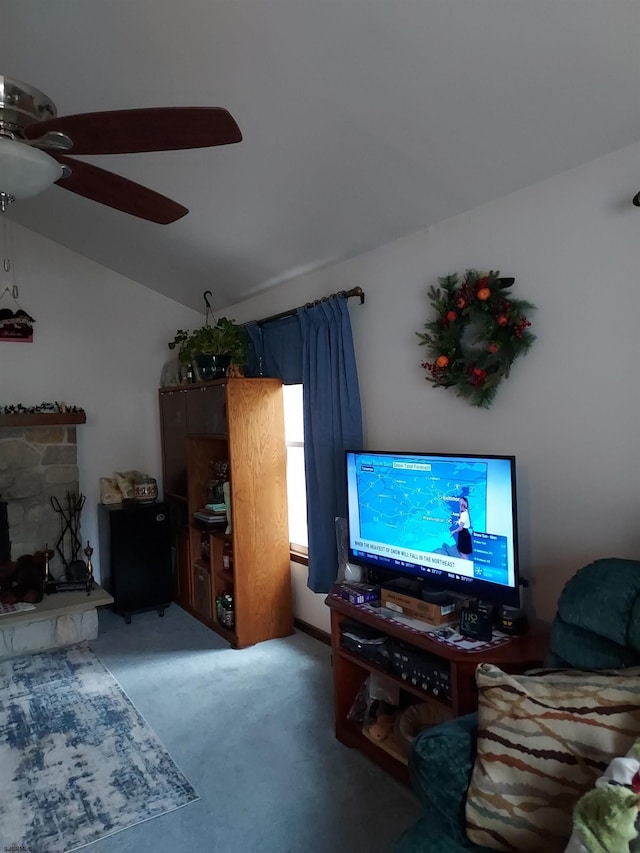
{"points": [[211, 349]]}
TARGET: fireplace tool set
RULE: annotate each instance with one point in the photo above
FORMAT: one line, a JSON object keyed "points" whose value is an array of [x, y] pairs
{"points": [[78, 574]]}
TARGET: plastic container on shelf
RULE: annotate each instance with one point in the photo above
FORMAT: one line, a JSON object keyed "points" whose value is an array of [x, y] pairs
{"points": [[228, 615]]}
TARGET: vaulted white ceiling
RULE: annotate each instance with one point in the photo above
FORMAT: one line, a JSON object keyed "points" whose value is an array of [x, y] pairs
{"points": [[363, 120]]}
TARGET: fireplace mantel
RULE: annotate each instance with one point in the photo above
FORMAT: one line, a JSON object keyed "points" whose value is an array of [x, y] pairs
{"points": [[43, 419]]}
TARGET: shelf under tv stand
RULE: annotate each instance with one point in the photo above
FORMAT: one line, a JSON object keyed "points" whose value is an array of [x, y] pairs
{"points": [[350, 671]]}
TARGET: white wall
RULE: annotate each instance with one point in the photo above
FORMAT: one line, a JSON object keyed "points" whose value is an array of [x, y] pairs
{"points": [[100, 341], [570, 411]]}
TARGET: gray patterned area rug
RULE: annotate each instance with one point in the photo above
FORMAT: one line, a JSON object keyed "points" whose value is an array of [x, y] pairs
{"points": [[77, 760]]}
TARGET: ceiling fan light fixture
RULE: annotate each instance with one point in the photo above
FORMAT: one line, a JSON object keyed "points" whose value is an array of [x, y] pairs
{"points": [[24, 171], [29, 122]]}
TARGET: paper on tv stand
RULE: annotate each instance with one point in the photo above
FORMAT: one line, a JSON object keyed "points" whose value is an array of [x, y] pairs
{"points": [[448, 634]]}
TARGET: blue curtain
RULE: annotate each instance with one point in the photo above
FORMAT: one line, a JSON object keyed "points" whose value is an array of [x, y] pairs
{"points": [[332, 424], [276, 349], [255, 353], [315, 347]]}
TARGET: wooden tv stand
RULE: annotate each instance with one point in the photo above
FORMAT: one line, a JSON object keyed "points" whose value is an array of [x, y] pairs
{"points": [[350, 671]]}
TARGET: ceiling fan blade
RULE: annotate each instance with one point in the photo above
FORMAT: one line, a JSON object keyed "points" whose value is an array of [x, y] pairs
{"points": [[115, 191], [150, 129]]}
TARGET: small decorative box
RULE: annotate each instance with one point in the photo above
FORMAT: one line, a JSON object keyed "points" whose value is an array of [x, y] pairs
{"points": [[359, 593]]}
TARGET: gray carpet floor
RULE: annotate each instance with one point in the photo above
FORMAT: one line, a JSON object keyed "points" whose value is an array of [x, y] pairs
{"points": [[252, 730]]}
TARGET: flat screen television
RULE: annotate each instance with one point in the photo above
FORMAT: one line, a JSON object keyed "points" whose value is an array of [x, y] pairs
{"points": [[447, 520]]}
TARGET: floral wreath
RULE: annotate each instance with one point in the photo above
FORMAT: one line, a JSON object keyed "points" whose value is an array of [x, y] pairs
{"points": [[478, 333]]}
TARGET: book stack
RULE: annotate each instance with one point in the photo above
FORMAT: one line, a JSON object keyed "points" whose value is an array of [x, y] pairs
{"points": [[212, 514]]}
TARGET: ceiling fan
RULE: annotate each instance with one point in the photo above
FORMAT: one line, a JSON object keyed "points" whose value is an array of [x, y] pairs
{"points": [[36, 144]]}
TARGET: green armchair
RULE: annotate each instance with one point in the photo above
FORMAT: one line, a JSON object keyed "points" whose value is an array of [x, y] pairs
{"points": [[597, 626]]}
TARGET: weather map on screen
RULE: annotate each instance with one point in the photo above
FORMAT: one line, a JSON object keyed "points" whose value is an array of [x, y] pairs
{"points": [[434, 516], [411, 503]]}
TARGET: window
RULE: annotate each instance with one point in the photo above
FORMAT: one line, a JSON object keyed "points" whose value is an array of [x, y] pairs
{"points": [[296, 483]]}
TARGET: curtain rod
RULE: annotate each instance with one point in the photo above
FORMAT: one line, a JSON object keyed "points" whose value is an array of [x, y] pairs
{"points": [[355, 291]]}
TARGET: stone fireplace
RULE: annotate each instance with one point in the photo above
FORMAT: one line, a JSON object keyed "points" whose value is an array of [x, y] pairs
{"points": [[38, 461]]}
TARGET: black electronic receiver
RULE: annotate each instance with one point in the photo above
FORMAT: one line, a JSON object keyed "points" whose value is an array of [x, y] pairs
{"points": [[365, 642], [421, 669]]}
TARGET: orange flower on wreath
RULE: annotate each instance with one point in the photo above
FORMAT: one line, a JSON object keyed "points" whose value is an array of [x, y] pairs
{"points": [[442, 361]]}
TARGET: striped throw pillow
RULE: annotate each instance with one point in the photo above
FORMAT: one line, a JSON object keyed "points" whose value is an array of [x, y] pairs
{"points": [[543, 740]]}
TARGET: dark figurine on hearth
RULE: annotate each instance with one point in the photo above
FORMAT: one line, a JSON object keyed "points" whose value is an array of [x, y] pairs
{"points": [[23, 580]]}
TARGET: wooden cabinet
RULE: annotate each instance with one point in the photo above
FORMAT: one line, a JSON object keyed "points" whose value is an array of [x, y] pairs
{"points": [[202, 589], [239, 421], [173, 429], [206, 410], [187, 410], [423, 668]]}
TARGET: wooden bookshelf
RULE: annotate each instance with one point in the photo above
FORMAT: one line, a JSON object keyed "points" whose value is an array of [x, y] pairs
{"points": [[239, 421]]}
